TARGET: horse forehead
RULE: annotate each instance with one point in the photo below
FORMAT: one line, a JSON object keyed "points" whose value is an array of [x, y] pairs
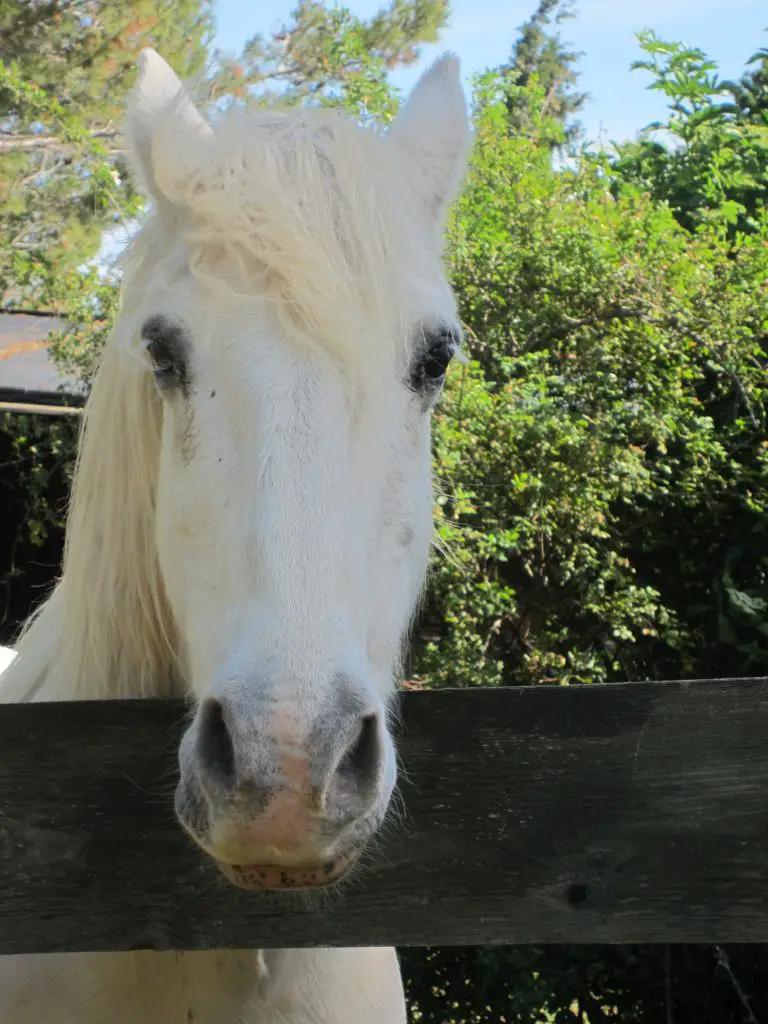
{"points": [[270, 372], [316, 244], [248, 356]]}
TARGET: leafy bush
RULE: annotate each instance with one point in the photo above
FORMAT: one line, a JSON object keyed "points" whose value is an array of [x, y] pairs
{"points": [[602, 461], [587, 984]]}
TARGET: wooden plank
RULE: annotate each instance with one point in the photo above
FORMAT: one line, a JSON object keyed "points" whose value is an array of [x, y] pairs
{"points": [[34, 409], [627, 813]]}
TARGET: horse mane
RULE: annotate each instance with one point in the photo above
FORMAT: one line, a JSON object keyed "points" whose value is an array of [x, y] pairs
{"points": [[106, 630], [303, 207]]}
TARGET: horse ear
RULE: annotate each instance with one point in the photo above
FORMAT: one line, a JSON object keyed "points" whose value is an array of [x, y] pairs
{"points": [[161, 116], [433, 129]]}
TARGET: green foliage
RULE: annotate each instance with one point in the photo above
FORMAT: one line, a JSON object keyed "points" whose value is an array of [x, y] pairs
{"points": [[586, 984], [540, 55], [717, 168], [602, 461], [37, 454], [66, 69], [750, 93], [328, 55]]}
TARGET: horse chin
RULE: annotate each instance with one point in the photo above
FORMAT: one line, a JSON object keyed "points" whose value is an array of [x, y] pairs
{"points": [[276, 877]]}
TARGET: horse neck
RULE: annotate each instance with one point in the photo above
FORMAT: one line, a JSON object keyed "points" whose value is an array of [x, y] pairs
{"points": [[106, 630]]}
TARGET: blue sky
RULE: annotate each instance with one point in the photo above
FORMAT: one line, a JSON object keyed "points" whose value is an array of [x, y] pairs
{"points": [[481, 32]]}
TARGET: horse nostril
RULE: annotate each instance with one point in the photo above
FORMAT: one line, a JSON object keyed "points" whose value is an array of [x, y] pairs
{"points": [[214, 744], [362, 760]]}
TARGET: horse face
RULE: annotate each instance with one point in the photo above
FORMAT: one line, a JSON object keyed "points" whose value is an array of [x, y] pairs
{"points": [[297, 330]]}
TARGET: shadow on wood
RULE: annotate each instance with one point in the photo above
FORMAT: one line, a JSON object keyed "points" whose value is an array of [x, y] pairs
{"points": [[629, 813]]}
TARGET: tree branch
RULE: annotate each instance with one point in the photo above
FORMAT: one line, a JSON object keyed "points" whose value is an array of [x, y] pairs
{"points": [[723, 961], [571, 324], [29, 142]]}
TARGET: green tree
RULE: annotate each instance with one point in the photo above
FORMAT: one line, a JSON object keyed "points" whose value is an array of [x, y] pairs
{"points": [[325, 54], [66, 69], [540, 53], [750, 92]]}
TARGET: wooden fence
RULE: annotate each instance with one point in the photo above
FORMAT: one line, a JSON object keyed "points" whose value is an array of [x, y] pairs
{"points": [[40, 402], [632, 813]]}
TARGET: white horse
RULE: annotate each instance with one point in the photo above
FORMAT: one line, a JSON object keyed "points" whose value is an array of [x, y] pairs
{"points": [[251, 519]]}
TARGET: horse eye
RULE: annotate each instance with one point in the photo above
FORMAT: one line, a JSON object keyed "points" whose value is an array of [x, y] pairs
{"points": [[430, 366], [166, 346]]}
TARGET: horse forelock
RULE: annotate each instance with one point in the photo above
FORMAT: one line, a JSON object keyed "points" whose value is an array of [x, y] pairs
{"points": [[308, 211]]}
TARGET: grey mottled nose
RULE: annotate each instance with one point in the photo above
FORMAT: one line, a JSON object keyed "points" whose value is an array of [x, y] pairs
{"points": [[245, 760]]}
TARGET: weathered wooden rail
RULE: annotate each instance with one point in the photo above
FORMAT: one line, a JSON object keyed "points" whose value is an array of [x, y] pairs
{"points": [[40, 403], [628, 813]]}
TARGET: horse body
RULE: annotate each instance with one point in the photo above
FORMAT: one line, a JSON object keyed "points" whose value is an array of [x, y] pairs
{"points": [[324, 986], [251, 518]]}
